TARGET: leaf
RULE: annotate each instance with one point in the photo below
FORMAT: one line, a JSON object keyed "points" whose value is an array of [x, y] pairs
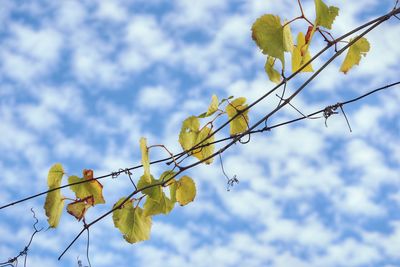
{"points": [[160, 203], [301, 55], [287, 38], [272, 73], [131, 222], [205, 151], [93, 188], [54, 200], [78, 208], [154, 206], [172, 190], [325, 15], [189, 132], [241, 122], [191, 135], [145, 157], [267, 32], [167, 175], [353, 56], [154, 192], [212, 108], [185, 190]]}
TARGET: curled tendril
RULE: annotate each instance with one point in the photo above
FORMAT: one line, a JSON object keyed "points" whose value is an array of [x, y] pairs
{"points": [[330, 110], [125, 171], [14, 261], [230, 181]]}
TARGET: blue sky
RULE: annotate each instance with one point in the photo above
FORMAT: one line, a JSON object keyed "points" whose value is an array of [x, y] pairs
{"points": [[82, 81]]}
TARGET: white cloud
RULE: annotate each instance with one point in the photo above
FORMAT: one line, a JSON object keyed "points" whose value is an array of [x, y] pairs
{"points": [[113, 11], [358, 201], [157, 98], [141, 52]]}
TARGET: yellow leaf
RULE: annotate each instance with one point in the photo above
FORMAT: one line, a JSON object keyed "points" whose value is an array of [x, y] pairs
{"points": [[325, 15], [301, 55], [272, 73], [241, 122], [205, 151], [91, 188], [353, 57], [213, 107], [185, 190], [132, 222], [267, 32], [287, 38], [54, 200], [189, 132], [145, 158]]}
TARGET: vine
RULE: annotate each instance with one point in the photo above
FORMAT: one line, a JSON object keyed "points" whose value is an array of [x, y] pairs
{"points": [[151, 196]]}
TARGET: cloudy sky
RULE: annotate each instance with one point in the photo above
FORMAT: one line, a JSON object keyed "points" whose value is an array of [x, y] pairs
{"points": [[82, 81]]}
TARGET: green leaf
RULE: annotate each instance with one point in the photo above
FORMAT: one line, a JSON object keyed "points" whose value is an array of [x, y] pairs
{"points": [[205, 151], [131, 222], [325, 15], [189, 132], [154, 206], [353, 57], [272, 73], [185, 190], [54, 200], [301, 55], [155, 191], [78, 208], [145, 157], [92, 188], [267, 32], [241, 122]]}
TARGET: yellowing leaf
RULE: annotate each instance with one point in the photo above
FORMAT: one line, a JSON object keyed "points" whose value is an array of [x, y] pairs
{"points": [[154, 206], [55, 175], [145, 157], [267, 32], [301, 55], [189, 132], [172, 190], [325, 15], [131, 222], [353, 57], [185, 190], [272, 73], [154, 191], [213, 107], [78, 208], [241, 122], [92, 188], [54, 200], [287, 38], [167, 175], [191, 135], [205, 151]]}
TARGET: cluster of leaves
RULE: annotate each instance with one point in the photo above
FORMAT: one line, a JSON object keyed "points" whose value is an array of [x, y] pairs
{"points": [[88, 192], [274, 38], [133, 215]]}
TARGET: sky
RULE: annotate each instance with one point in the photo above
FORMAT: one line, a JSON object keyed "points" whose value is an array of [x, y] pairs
{"points": [[82, 81]]}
